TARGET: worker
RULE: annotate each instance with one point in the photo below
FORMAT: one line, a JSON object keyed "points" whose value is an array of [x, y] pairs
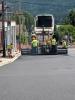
{"points": [[35, 44], [49, 44], [54, 46], [9, 48], [64, 44], [49, 41]]}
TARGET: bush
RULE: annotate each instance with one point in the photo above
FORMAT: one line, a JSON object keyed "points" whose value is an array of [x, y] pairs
{"points": [[67, 30]]}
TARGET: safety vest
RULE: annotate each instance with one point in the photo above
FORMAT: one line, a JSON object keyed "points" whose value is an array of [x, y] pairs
{"points": [[64, 44], [49, 42], [53, 41], [35, 43], [9, 46]]}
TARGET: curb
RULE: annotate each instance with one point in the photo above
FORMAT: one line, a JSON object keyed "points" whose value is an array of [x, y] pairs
{"points": [[7, 61]]}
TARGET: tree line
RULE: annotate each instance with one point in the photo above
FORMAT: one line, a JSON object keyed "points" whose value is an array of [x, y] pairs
{"points": [[67, 27], [27, 21]]}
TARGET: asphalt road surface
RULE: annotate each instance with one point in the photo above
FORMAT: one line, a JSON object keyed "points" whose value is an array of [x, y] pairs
{"points": [[39, 78]]}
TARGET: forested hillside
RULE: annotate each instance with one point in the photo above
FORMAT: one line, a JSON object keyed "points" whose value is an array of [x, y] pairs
{"points": [[59, 8]]}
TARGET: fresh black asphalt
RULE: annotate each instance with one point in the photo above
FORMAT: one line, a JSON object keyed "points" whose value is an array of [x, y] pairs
{"points": [[39, 78]]}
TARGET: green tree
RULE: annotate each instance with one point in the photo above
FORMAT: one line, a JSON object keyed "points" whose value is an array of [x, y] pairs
{"points": [[29, 21], [15, 17], [24, 39], [67, 30], [70, 18]]}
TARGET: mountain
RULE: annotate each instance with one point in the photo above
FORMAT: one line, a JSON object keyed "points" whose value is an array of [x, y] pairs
{"points": [[59, 8]]}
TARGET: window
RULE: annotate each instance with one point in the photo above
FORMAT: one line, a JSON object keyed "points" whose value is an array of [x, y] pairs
{"points": [[44, 21]]}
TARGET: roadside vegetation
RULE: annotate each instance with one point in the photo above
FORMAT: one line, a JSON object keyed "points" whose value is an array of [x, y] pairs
{"points": [[26, 21], [66, 28]]}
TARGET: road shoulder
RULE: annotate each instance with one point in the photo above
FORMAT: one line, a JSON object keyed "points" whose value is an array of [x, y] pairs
{"points": [[5, 61]]}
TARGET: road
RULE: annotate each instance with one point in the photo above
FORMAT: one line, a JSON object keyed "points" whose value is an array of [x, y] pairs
{"points": [[39, 78]]}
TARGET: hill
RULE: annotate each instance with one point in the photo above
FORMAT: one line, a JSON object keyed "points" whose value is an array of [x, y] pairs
{"points": [[59, 8]]}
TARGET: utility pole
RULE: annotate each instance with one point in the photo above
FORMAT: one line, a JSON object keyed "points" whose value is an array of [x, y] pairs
{"points": [[19, 26], [3, 30]]}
